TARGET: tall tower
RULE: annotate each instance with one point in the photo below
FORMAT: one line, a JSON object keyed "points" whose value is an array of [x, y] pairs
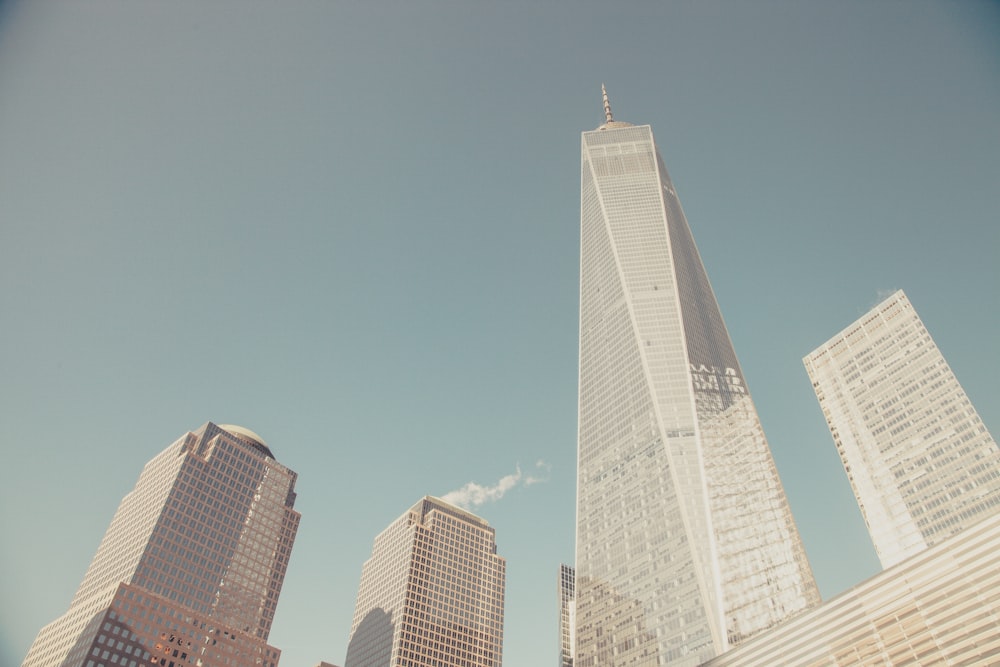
{"points": [[920, 460], [685, 542], [567, 615], [190, 569], [431, 594]]}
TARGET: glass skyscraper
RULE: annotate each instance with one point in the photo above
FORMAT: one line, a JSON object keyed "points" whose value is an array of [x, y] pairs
{"points": [[567, 614], [920, 460], [685, 541], [431, 594], [190, 569]]}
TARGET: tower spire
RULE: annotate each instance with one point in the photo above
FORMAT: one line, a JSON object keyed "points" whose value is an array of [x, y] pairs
{"points": [[607, 105]]}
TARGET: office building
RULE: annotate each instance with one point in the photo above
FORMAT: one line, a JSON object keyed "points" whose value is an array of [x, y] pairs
{"points": [[920, 460], [431, 594], [190, 569], [939, 607], [685, 541], [567, 614]]}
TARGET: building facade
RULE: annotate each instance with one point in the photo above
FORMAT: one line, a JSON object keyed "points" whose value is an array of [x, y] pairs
{"points": [[190, 569], [567, 614], [921, 462], [685, 541], [431, 594], [939, 607]]}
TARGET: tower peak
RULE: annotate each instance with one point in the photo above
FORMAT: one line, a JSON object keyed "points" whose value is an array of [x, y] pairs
{"points": [[609, 119]]}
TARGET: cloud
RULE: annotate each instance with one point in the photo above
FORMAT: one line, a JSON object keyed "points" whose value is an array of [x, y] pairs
{"points": [[881, 295], [541, 466], [473, 495]]}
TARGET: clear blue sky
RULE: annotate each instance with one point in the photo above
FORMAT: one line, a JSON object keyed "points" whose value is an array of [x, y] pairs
{"points": [[353, 228]]}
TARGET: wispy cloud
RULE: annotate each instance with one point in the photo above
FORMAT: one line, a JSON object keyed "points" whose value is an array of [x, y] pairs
{"points": [[473, 495], [882, 294]]}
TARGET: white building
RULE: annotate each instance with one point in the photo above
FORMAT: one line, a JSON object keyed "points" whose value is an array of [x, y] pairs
{"points": [[431, 594], [940, 607], [685, 542], [920, 461], [190, 569]]}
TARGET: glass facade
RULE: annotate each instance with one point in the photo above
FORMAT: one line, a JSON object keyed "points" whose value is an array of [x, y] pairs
{"points": [[685, 542], [190, 569], [567, 614], [431, 594], [920, 460]]}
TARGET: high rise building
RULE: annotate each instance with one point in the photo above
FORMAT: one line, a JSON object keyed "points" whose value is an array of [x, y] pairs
{"points": [[567, 614], [685, 541], [190, 569], [920, 461], [431, 594]]}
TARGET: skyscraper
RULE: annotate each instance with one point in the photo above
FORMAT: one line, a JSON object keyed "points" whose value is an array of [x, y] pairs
{"points": [[685, 542], [431, 594], [920, 461], [190, 569], [567, 615]]}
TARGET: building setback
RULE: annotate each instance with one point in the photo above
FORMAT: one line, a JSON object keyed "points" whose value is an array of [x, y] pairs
{"points": [[431, 594], [685, 542], [921, 462], [190, 569]]}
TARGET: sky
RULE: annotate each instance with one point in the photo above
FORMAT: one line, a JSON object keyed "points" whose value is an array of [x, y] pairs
{"points": [[353, 227]]}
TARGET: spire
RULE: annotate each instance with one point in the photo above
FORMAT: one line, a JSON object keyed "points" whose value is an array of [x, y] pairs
{"points": [[609, 120]]}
